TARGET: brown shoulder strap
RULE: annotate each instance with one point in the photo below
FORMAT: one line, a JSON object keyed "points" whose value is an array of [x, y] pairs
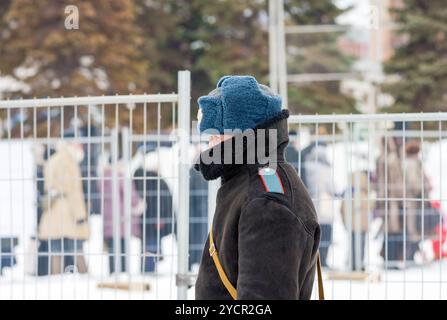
{"points": [[320, 278], [232, 290], [223, 277]]}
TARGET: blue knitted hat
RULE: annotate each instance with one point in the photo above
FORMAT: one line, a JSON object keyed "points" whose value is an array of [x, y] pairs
{"points": [[238, 102]]}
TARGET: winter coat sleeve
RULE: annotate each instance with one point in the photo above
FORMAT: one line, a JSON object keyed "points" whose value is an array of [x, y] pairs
{"points": [[76, 194], [272, 246]]}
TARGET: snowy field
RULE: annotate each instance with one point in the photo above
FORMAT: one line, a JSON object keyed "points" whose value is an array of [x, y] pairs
{"points": [[75, 286], [417, 283], [414, 283]]}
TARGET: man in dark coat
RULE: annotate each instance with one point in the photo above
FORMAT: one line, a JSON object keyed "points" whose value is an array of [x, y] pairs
{"points": [[265, 235]]}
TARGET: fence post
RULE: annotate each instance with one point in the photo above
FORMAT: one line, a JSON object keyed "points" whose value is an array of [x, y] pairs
{"points": [[184, 97], [273, 45], [125, 145], [357, 210], [116, 203]]}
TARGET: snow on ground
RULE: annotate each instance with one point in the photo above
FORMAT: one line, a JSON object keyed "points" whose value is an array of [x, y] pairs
{"points": [[416, 283], [428, 282], [76, 286], [420, 282]]}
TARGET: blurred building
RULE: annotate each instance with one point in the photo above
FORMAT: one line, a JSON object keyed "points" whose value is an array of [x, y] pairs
{"points": [[371, 41]]}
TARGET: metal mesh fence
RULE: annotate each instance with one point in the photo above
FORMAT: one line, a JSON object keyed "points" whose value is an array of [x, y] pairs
{"points": [[89, 208], [98, 199], [377, 182]]}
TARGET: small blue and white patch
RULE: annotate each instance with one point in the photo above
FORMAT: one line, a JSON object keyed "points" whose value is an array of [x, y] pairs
{"points": [[271, 180]]}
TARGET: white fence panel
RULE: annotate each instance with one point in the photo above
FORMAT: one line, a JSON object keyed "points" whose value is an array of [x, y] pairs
{"points": [[75, 220]]}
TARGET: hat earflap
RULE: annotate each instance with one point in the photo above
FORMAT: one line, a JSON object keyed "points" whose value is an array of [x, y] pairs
{"points": [[212, 117], [274, 105]]}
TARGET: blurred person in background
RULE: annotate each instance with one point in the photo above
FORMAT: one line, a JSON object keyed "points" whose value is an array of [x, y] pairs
{"points": [[292, 153], [89, 167], [389, 204], [402, 209], [105, 188], [356, 220], [318, 172], [157, 219], [63, 227], [317, 133], [417, 187], [434, 247], [42, 246]]}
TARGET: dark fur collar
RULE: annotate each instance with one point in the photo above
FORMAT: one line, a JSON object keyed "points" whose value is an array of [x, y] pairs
{"points": [[213, 171]]}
